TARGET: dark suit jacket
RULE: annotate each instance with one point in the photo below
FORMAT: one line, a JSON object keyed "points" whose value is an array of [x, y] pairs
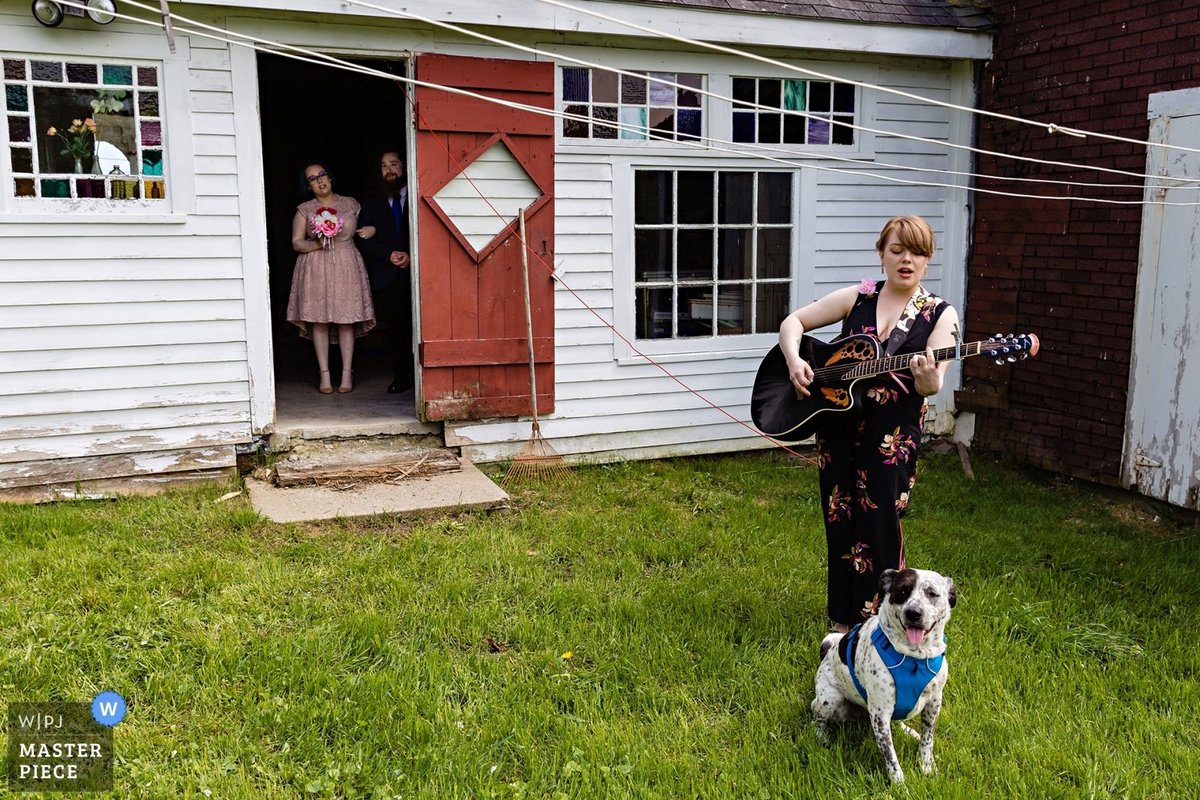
{"points": [[377, 250]]}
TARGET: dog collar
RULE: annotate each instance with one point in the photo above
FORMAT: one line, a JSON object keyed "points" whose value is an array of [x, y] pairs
{"points": [[910, 675]]}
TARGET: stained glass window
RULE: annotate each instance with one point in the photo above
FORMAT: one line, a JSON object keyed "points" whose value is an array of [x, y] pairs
{"points": [[84, 129], [601, 104], [785, 111]]}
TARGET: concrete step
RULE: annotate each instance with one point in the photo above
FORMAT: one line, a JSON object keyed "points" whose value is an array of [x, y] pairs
{"points": [[404, 474], [465, 488], [344, 463]]}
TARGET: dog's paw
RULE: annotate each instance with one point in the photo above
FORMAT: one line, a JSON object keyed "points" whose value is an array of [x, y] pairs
{"points": [[927, 766]]}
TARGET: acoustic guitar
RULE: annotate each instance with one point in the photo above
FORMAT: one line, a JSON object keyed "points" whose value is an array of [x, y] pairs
{"points": [[841, 373]]}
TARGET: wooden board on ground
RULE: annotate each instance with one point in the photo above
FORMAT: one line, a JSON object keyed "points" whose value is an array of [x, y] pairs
{"points": [[360, 461]]}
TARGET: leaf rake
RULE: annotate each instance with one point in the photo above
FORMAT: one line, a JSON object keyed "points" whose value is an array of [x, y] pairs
{"points": [[537, 460]]}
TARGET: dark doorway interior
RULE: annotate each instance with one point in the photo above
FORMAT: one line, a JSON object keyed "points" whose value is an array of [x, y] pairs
{"points": [[343, 119]]}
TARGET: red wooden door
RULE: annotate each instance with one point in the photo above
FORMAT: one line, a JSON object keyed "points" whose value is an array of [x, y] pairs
{"points": [[474, 350]]}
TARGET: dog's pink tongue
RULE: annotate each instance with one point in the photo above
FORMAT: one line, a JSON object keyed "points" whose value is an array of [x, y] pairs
{"points": [[915, 636]]}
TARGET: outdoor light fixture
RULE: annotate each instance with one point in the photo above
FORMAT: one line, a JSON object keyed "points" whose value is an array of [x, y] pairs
{"points": [[51, 13]]}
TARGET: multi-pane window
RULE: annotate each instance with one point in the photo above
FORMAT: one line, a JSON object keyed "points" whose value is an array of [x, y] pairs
{"points": [[608, 105], [712, 252], [828, 111], [84, 129]]}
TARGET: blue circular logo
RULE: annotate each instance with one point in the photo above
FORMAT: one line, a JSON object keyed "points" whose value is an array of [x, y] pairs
{"points": [[108, 708]]}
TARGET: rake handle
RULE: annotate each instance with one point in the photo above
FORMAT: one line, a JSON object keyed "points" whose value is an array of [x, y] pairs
{"points": [[528, 316]]}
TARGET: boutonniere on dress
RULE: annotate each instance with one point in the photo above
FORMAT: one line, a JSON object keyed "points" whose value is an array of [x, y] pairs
{"points": [[324, 225], [867, 287]]}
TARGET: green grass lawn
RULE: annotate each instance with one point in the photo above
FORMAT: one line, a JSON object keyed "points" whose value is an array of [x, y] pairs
{"points": [[645, 630]]}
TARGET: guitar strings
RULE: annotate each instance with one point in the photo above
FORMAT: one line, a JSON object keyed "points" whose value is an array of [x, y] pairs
{"points": [[896, 363]]}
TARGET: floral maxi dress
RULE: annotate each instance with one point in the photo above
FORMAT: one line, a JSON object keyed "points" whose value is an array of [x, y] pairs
{"points": [[867, 460]]}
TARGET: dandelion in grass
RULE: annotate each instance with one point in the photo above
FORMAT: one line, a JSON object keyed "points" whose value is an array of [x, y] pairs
{"points": [[566, 656]]}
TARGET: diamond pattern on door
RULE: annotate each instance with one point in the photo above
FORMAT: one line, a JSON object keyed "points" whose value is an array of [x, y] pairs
{"points": [[480, 204]]}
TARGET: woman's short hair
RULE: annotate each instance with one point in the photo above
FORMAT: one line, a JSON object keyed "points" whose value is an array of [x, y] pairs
{"points": [[912, 232]]}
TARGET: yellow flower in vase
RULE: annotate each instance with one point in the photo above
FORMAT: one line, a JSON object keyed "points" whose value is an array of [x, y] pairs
{"points": [[80, 143]]}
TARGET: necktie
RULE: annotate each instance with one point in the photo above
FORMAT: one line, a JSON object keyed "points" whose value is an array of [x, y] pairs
{"points": [[396, 213]]}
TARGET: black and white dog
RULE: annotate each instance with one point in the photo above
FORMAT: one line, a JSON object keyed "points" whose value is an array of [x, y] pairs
{"points": [[893, 665]]}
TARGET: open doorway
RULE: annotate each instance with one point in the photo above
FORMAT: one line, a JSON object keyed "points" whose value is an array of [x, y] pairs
{"points": [[345, 120]]}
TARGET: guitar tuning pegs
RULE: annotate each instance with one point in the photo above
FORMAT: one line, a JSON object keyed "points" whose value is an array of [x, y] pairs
{"points": [[1000, 361], [1011, 359]]}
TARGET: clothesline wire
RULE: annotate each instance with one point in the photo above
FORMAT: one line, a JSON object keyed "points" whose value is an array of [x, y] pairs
{"points": [[460, 170], [549, 268], [1143, 177], [1049, 127], [706, 144], [321, 58]]}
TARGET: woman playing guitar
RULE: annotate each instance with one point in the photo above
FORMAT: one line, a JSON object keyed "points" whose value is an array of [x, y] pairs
{"points": [[868, 454]]}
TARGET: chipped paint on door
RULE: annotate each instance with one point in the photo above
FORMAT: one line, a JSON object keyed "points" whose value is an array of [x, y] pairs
{"points": [[1162, 446]]}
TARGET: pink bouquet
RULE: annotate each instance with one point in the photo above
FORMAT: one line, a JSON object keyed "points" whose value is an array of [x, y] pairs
{"points": [[325, 224]]}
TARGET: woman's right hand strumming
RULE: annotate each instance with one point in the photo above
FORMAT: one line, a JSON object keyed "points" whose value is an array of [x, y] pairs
{"points": [[801, 374]]}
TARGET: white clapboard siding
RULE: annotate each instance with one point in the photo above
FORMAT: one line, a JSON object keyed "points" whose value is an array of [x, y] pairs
{"points": [[137, 377], [129, 355], [225, 206], [126, 420], [684, 440], [122, 291], [141, 325], [608, 407], [77, 337], [129, 337], [13, 407], [180, 433], [66, 245], [121, 313], [32, 270], [58, 478]]}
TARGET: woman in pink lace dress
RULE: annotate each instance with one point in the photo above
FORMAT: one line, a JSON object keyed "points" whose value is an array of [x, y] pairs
{"points": [[330, 288]]}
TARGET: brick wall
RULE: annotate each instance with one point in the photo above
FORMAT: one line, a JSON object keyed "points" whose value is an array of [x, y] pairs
{"points": [[1066, 269]]}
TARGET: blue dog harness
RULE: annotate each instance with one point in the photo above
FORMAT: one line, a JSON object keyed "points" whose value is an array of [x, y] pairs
{"points": [[911, 675]]}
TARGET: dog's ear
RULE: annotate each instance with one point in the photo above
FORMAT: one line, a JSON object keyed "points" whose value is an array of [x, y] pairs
{"points": [[951, 592], [885, 580]]}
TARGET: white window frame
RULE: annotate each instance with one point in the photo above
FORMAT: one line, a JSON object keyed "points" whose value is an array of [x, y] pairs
{"points": [[628, 156], [626, 347], [32, 41], [717, 115]]}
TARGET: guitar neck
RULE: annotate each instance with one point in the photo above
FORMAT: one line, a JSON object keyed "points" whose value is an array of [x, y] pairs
{"points": [[879, 366]]}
